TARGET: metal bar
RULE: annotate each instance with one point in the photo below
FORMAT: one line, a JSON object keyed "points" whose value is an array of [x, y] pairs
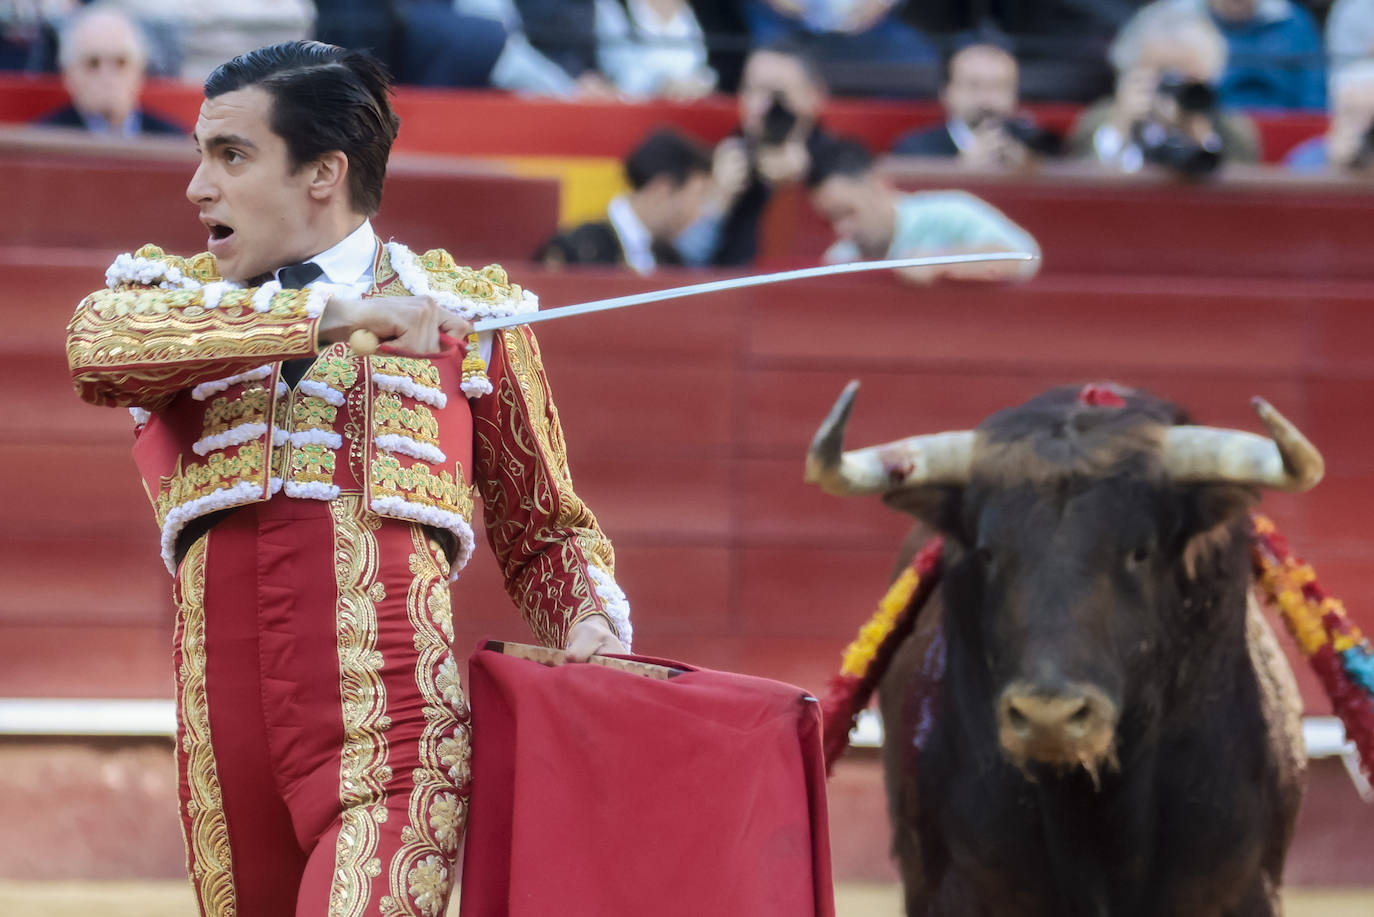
{"points": [[735, 283]]}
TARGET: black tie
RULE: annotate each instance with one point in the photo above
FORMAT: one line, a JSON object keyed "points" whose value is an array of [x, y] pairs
{"points": [[296, 277]]}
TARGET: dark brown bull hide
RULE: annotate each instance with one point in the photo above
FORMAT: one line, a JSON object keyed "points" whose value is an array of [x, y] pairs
{"points": [[1089, 718]]}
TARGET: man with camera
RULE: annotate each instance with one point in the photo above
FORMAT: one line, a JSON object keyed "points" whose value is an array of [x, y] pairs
{"points": [[980, 98], [1165, 109], [781, 95]]}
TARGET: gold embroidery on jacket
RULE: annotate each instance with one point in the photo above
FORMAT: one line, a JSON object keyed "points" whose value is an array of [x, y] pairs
{"points": [[423, 867], [219, 471], [249, 406], [280, 458], [207, 839], [420, 371], [312, 463], [490, 284], [335, 367], [390, 416], [363, 773], [312, 413], [140, 344], [551, 587], [417, 483]]}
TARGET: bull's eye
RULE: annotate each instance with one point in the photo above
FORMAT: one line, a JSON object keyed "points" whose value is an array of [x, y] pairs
{"points": [[1138, 556]]}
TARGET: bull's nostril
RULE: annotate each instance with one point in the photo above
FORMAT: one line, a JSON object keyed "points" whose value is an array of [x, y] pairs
{"points": [[1080, 716], [1017, 719]]}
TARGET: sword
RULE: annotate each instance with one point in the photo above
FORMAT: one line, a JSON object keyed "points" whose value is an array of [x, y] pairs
{"points": [[365, 342], [736, 283]]}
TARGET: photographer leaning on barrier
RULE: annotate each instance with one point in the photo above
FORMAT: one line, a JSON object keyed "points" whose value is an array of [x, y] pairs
{"points": [[1165, 110], [1348, 144], [980, 95]]}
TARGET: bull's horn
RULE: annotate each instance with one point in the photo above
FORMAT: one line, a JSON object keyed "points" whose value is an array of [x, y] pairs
{"points": [[1284, 460], [940, 458]]}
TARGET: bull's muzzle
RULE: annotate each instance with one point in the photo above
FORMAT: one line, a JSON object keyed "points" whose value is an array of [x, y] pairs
{"points": [[1071, 726]]}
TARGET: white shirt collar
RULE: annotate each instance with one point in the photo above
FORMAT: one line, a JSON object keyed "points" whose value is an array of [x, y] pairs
{"points": [[635, 237], [350, 261]]}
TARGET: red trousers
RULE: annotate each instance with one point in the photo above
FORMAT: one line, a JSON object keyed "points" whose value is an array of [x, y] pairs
{"points": [[323, 742]]}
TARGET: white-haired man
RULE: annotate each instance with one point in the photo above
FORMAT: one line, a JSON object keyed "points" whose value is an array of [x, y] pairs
{"points": [[103, 58], [1168, 61]]}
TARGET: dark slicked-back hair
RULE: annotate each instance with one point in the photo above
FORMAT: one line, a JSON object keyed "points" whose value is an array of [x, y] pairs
{"points": [[666, 152], [324, 98], [838, 156]]}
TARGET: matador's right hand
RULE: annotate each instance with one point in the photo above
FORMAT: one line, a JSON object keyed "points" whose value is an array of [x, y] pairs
{"points": [[410, 323]]}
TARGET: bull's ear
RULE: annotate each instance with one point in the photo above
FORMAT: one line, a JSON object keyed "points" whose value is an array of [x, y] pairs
{"points": [[937, 505], [1212, 511]]}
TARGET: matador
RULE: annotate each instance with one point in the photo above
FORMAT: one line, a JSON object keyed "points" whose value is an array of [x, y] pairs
{"points": [[314, 501]]}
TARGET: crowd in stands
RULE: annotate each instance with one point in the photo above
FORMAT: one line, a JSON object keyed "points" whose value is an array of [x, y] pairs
{"points": [[1166, 83]]}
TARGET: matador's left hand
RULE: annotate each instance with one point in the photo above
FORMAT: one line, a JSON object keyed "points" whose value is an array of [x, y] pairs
{"points": [[591, 636]]}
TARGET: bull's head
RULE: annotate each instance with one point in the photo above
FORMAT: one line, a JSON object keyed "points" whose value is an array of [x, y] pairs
{"points": [[1084, 538]]}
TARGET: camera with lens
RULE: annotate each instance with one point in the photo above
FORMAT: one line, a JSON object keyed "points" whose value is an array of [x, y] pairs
{"points": [[1178, 151], [778, 122], [1169, 145], [1033, 137], [1193, 96], [1030, 135]]}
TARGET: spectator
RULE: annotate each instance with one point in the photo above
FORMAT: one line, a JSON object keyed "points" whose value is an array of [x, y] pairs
{"points": [[557, 58], [653, 48], [781, 96], [599, 49], [669, 174], [1347, 141], [193, 37], [866, 31], [1168, 60], [28, 32], [723, 21], [1275, 53], [979, 96], [423, 42], [873, 220], [1349, 32], [102, 55]]}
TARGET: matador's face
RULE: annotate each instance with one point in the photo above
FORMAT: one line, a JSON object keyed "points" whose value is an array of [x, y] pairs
{"points": [[257, 209]]}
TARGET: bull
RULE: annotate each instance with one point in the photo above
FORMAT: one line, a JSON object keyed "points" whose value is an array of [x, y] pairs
{"points": [[1091, 717]]}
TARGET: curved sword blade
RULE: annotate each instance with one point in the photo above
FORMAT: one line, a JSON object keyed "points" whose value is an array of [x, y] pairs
{"points": [[735, 283]]}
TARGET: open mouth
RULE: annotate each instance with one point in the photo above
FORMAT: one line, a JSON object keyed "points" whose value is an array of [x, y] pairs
{"points": [[219, 232]]}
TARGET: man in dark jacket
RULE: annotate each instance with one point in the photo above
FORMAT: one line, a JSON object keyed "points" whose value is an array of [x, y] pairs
{"points": [[980, 97], [669, 174], [103, 59]]}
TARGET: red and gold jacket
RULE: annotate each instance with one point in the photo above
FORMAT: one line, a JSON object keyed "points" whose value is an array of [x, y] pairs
{"points": [[198, 362]]}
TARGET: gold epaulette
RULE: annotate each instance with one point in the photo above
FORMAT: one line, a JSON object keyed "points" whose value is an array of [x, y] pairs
{"points": [[489, 284], [202, 267]]}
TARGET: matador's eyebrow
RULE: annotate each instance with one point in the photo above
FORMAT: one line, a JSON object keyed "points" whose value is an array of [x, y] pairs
{"points": [[222, 140]]}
